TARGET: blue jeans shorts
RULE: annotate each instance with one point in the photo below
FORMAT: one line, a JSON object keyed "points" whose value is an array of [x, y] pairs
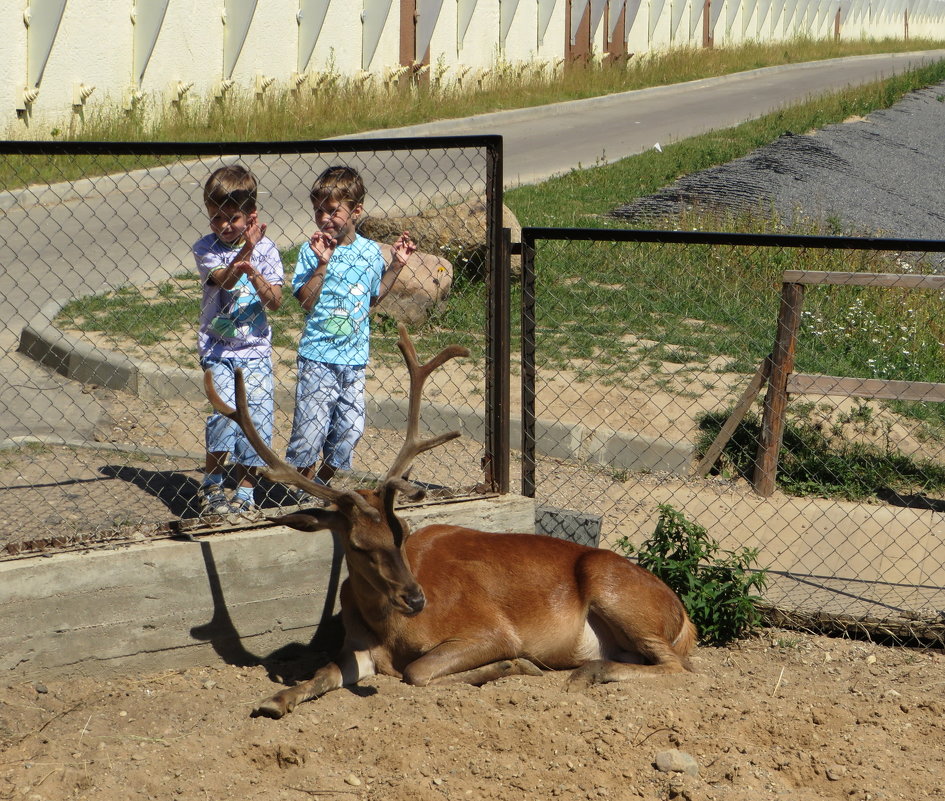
{"points": [[329, 414], [222, 434]]}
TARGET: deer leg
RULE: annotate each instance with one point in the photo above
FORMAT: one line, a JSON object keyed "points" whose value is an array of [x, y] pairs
{"points": [[463, 661], [496, 670], [601, 671], [349, 669]]}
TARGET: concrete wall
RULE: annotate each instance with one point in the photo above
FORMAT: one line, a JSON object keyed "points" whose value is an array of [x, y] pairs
{"points": [[60, 58], [245, 597]]}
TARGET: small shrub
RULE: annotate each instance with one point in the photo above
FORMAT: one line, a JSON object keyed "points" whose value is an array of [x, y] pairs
{"points": [[715, 586]]}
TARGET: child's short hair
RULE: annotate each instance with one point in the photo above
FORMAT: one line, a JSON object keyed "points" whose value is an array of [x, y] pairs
{"points": [[231, 186], [339, 184]]}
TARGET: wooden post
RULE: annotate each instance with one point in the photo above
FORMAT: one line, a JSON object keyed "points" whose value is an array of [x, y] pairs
{"points": [[702, 469], [782, 363], [707, 39]]}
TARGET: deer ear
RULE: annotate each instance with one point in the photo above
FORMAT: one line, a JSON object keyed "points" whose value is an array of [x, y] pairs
{"points": [[314, 520]]}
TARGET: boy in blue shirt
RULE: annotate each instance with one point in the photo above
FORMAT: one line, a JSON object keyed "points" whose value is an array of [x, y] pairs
{"points": [[242, 276], [339, 276]]}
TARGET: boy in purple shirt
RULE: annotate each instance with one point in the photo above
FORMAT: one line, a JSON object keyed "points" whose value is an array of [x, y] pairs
{"points": [[242, 276]]}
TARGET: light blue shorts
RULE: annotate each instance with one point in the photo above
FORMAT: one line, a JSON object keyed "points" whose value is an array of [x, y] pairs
{"points": [[222, 434], [329, 414]]}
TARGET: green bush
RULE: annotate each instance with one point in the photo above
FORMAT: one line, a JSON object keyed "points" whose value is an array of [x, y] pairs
{"points": [[715, 586]]}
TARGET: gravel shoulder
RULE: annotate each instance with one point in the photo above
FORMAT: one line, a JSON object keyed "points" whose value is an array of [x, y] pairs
{"points": [[878, 175]]}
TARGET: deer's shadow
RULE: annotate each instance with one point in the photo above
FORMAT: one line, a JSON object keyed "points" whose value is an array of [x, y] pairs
{"points": [[291, 662]]}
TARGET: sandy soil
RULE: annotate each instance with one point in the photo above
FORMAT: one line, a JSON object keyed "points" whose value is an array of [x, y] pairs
{"points": [[786, 716]]}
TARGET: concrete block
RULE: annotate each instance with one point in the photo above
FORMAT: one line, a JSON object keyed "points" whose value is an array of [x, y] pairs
{"points": [[242, 597], [568, 524]]}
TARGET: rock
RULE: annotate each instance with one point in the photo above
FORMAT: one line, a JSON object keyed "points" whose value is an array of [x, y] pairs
{"points": [[457, 233], [420, 290], [835, 773], [675, 761]]}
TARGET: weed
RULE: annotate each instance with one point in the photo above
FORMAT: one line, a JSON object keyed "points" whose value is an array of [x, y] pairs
{"points": [[715, 586]]}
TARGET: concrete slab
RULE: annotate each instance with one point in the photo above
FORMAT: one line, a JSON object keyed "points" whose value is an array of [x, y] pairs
{"points": [[248, 597]]}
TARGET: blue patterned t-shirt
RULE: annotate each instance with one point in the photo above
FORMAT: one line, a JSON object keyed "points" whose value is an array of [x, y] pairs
{"points": [[338, 328]]}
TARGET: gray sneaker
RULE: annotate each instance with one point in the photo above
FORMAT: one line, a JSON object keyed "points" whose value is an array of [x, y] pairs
{"points": [[238, 506], [213, 501], [302, 498]]}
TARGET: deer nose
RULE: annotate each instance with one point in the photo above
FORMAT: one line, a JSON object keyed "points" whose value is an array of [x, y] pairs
{"points": [[414, 601]]}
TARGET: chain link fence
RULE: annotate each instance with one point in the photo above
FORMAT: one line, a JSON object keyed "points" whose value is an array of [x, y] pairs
{"points": [[101, 397], [640, 351], [638, 347]]}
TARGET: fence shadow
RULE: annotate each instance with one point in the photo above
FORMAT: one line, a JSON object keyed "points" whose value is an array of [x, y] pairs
{"points": [[175, 490]]}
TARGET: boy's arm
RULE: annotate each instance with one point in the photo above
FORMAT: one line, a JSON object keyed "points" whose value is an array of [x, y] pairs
{"points": [[322, 247], [227, 277], [402, 250], [269, 294]]}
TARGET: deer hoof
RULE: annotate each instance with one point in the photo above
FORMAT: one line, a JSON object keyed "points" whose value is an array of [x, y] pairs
{"points": [[273, 708], [583, 677], [526, 667]]}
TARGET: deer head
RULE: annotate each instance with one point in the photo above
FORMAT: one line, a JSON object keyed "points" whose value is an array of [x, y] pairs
{"points": [[372, 534]]}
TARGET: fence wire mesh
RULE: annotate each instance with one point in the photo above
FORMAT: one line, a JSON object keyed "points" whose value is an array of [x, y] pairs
{"points": [[636, 353], [101, 398]]}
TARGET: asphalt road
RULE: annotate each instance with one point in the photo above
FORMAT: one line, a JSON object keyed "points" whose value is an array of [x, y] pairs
{"points": [[549, 140], [72, 240]]}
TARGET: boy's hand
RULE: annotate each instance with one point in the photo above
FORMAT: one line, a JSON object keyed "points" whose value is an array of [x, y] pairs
{"points": [[402, 250], [244, 267], [255, 231], [322, 246]]}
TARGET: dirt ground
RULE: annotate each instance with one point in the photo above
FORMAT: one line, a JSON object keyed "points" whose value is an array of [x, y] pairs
{"points": [[784, 716]]}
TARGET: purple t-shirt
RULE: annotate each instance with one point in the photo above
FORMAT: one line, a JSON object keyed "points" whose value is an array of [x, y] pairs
{"points": [[233, 322]]}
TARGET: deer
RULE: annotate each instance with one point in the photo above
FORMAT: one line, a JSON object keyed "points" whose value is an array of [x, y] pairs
{"points": [[446, 603]]}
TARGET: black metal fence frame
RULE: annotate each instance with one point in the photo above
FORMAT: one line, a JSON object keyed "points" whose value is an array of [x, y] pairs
{"points": [[532, 235], [497, 383]]}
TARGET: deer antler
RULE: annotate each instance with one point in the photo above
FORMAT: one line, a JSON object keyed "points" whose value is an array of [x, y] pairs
{"points": [[413, 446], [278, 470]]}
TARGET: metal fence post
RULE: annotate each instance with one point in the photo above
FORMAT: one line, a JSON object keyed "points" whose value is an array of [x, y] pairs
{"points": [[498, 331], [529, 324]]}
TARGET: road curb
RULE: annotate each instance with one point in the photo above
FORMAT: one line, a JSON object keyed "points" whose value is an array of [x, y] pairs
{"points": [[48, 345]]}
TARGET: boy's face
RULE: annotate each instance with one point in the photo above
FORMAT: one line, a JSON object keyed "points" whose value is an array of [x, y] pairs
{"points": [[229, 223], [337, 219]]}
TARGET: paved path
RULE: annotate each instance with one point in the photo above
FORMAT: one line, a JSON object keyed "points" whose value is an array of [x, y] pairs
{"points": [[51, 248]]}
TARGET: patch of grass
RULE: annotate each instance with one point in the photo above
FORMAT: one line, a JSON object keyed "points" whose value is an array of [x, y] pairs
{"points": [[11, 456], [717, 587], [145, 317]]}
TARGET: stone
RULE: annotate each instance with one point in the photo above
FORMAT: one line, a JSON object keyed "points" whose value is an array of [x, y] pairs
{"points": [[420, 290], [675, 761], [457, 233]]}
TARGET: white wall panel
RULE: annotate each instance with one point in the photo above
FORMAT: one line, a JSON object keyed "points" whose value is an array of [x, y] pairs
{"points": [[310, 19], [428, 15], [155, 48], [546, 10], [678, 9]]}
